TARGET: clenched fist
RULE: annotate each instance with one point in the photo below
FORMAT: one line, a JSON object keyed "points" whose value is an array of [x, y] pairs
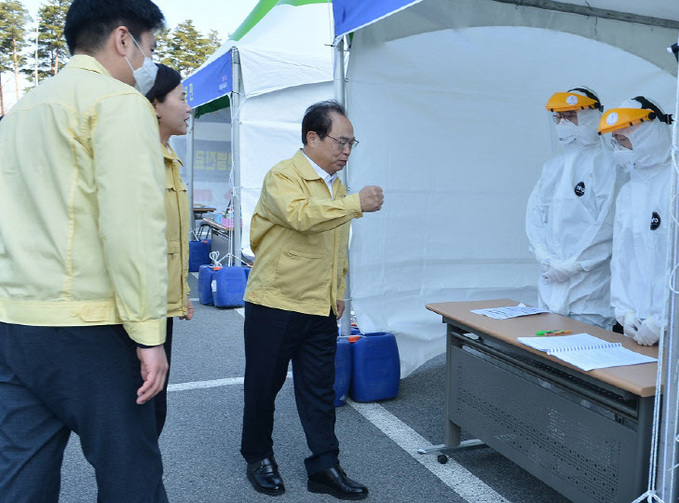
{"points": [[371, 198]]}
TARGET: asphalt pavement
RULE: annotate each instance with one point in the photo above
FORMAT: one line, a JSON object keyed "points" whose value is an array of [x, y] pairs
{"points": [[378, 441]]}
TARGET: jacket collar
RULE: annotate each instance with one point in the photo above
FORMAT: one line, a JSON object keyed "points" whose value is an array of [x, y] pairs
{"points": [[302, 165], [84, 62], [169, 153]]}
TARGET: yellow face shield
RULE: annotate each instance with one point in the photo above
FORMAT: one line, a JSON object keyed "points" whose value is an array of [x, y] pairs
{"points": [[562, 102], [620, 118]]}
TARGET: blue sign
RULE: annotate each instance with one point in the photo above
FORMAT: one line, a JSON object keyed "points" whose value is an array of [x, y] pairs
{"points": [[351, 15], [211, 82]]}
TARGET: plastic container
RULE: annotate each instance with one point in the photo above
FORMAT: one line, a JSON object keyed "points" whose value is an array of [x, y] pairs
{"points": [[205, 273], [228, 286], [342, 371], [375, 367], [199, 254]]}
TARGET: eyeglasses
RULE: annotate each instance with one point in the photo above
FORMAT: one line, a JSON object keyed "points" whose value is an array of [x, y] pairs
{"points": [[569, 115], [343, 143]]}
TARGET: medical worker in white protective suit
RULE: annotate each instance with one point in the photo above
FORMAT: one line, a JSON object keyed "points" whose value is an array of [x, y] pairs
{"points": [[641, 138], [569, 218]]}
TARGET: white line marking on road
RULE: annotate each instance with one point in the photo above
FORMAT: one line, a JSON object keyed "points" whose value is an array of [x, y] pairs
{"points": [[455, 476], [241, 311], [216, 383]]}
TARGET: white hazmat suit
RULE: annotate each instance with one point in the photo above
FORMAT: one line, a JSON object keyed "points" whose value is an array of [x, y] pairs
{"points": [[569, 223], [641, 232]]}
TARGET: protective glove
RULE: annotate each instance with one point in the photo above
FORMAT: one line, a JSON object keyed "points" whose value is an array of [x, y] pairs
{"points": [[630, 324], [554, 275], [566, 268], [542, 255], [648, 334], [561, 270]]}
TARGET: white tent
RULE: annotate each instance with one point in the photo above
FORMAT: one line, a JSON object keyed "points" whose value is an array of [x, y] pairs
{"points": [[447, 98], [273, 67]]}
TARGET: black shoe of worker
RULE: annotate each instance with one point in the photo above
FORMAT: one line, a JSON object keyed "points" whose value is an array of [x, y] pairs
{"points": [[264, 477], [335, 482]]}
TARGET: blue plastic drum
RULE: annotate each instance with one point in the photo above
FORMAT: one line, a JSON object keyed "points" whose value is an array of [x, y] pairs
{"points": [[375, 367], [228, 286]]}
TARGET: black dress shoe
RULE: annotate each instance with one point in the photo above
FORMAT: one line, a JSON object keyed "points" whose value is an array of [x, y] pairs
{"points": [[335, 482], [264, 477]]}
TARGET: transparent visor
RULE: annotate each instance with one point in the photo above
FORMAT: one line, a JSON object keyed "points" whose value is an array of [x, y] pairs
{"points": [[568, 115], [563, 129]]}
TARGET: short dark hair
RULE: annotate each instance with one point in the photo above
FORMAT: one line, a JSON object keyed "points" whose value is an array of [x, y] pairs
{"points": [[317, 118], [167, 79], [90, 22]]}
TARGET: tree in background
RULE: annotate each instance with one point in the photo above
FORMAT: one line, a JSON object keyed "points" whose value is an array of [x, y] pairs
{"points": [[186, 49], [13, 20], [162, 45], [52, 49], [42, 51]]}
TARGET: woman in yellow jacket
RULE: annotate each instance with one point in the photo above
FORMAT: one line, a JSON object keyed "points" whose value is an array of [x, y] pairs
{"points": [[169, 101]]}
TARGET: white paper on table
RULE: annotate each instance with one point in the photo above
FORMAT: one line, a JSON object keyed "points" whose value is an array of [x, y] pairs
{"points": [[586, 351], [504, 313]]}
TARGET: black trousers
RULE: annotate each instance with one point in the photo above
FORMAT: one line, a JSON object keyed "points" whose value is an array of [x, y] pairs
{"points": [[274, 337], [55, 380]]}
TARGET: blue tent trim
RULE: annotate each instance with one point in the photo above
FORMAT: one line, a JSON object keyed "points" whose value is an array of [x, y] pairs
{"points": [[211, 82], [350, 15]]}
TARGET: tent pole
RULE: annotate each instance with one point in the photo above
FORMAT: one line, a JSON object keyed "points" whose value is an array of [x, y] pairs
{"points": [[667, 484], [236, 96], [340, 89], [189, 165]]}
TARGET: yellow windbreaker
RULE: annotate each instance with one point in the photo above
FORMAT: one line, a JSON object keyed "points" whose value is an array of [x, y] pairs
{"points": [[300, 238], [178, 225], [82, 218]]}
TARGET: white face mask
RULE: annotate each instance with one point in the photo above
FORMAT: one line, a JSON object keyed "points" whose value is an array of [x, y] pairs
{"points": [[145, 75], [622, 156], [625, 158], [566, 132]]}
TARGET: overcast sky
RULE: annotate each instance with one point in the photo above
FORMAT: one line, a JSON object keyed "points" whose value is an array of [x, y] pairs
{"points": [[221, 15]]}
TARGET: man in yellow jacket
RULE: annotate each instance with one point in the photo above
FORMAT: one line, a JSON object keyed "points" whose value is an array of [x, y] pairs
{"points": [[83, 264], [294, 296]]}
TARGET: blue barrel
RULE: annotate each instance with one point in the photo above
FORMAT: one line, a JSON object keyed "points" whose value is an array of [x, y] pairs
{"points": [[205, 273], [199, 254], [375, 367], [228, 286], [342, 371]]}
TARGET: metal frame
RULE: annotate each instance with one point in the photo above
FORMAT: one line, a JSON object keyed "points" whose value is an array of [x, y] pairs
{"points": [[668, 485], [236, 99]]}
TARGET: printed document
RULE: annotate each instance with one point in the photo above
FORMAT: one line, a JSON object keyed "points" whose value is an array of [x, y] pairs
{"points": [[504, 313]]}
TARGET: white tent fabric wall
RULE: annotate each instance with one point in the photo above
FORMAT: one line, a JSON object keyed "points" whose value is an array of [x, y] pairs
{"points": [[448, 99], [270, 131]]}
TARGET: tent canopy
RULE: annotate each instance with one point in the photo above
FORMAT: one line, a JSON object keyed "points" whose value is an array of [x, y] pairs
{"points": [[616, 22], [351, 15], [281, 45]]}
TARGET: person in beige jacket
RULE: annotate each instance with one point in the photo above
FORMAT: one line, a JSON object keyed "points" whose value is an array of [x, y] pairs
{"points": [[294, 296], [173, 112], [83, 264]]}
